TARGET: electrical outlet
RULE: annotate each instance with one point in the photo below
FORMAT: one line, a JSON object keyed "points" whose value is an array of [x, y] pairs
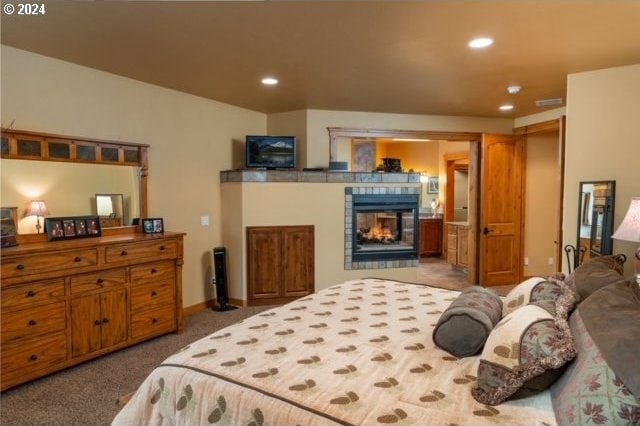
{"points": [[204, 220], [526, 261], [213, 281], [550, 261]]}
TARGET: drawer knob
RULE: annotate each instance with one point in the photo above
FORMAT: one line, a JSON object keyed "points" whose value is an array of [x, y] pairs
{"points": [[99, 281], [154, 320], [77, 259], [161, 248], [97, 322], [154, 294], [33, 357], [20, 266], [154, 270], [105, 321], [31, 293], [32, 322], [123, 253]]}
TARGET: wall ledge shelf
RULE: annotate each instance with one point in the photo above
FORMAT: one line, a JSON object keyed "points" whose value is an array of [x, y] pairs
{"points": [[231, 176]]}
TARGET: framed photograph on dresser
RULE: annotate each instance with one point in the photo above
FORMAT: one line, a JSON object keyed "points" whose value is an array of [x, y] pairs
{"points": [[65, 228], [8, 226], [153, 225]]}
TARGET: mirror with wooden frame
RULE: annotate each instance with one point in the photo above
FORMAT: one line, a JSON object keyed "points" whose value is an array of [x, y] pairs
{"points": [[595, 219], [67, 172]]}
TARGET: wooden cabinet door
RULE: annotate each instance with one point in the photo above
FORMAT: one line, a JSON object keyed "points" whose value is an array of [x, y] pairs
{"points": [[113, 307], [298, 252], [430, 237], [463, 246], [264, 258], [86, 322]]}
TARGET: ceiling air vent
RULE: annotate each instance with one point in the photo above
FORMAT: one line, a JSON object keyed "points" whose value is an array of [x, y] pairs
{"points": [[549, 102]]}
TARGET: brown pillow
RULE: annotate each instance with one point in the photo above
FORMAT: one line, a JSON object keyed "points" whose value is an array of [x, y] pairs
{"points": [[594, 274], [465, 325], [526, 351]]}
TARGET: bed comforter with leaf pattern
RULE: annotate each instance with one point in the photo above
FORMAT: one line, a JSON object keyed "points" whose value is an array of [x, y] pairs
{"points": [[357, 353]]}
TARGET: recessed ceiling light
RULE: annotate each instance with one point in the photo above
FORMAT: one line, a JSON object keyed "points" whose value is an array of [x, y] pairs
{"points": [[506, 107], [513, 89], [269, 81], [479, 43]]}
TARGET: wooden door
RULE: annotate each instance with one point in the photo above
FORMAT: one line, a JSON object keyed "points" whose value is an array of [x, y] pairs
{"points": [[113, 308], [85, 324], [501, 210], [298, 252], [264, 262]]}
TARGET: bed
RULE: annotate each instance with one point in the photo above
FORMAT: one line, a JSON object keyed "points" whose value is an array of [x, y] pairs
{"points": [[363, 353]]}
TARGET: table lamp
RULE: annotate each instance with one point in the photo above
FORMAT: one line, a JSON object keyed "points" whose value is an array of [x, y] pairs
{"points": [[37, 208], [629, 230]]}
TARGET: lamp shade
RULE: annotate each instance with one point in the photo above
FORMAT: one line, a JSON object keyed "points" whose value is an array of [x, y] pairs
{"points": [[37, 208], [629, 229]]}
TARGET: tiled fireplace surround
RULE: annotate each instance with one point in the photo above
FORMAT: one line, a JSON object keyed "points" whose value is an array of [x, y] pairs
{"points": [[349, 263]]}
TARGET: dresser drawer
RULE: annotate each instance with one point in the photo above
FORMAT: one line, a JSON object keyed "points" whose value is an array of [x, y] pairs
{"points": [[35, 355], [99, 280], [132, 252], [32, 322], [161, 320], [152, 273], [151, 296], [32, 293], [53, 261]]}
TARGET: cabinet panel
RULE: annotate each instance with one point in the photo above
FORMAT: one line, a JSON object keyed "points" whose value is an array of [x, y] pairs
{"points": [[152, 272], [53, 261], [430, 237], [153, 322], [19, 296], [35, 355], [28, 323], [298, 251], [113, 307], [85, 324], [150, 296], [264, 257], [139, 251], [463, 246], [98, 281]]}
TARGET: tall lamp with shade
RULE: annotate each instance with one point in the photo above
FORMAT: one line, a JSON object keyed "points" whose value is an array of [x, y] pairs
{"points": [[629, 230], [37, 208]]}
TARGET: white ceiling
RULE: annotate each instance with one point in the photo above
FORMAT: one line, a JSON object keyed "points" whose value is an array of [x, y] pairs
{"points": [[383, 56]]}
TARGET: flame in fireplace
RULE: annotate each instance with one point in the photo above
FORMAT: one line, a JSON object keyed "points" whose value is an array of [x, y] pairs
{"points": [[380, 233]]}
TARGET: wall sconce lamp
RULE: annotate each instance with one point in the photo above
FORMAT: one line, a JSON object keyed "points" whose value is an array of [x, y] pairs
{"points": [[629, 230], [37, 208]]}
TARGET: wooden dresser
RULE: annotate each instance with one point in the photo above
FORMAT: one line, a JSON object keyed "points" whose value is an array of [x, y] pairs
{"points": [[66, 302]]}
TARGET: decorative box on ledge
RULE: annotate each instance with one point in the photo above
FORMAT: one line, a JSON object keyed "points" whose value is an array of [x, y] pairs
{"points": [[316, 176]]}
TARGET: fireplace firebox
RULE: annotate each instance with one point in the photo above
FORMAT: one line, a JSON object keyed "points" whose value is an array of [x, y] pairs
{"points": [[385, 227]]}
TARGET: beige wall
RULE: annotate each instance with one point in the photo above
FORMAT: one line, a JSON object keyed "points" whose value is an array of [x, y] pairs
{"points": [[602, 142], [542, 198], [190, 137], [67, 189], [321, 205], [292, 123], [541, 117], [419, 156]]}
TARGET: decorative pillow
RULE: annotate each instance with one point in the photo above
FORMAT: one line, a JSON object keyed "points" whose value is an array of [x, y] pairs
{"points": [[532, 290], [465, 325], [595, 273], [526, 351], [589, 392]]}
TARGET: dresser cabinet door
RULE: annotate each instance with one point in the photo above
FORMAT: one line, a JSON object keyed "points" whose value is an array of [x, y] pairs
{"points": [[98, 321], [264, 257]]}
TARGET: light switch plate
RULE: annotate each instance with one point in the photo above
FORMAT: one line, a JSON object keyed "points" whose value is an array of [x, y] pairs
{"points": [[204, 220]]}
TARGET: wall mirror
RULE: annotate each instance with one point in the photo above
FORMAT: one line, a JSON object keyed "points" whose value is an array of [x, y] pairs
{"points": [[110, 209], [74, 177], [595, 219]]}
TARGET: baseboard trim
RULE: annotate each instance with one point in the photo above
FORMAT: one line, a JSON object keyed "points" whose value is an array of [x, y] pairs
{"points": [[209, 304]]}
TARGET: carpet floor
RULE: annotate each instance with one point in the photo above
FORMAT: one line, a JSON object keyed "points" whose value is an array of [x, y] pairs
{"points": [[87, 394]]}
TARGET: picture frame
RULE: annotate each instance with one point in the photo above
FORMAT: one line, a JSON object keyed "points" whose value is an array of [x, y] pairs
{"points": [[8, 226], [65, 228], [154, 225], [433, 185]]}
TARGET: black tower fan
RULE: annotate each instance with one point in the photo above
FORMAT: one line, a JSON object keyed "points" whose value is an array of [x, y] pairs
{"points": [[220, 266]]}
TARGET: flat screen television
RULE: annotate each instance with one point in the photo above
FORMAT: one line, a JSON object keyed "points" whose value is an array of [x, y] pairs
{"points": [[271, 152]]}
